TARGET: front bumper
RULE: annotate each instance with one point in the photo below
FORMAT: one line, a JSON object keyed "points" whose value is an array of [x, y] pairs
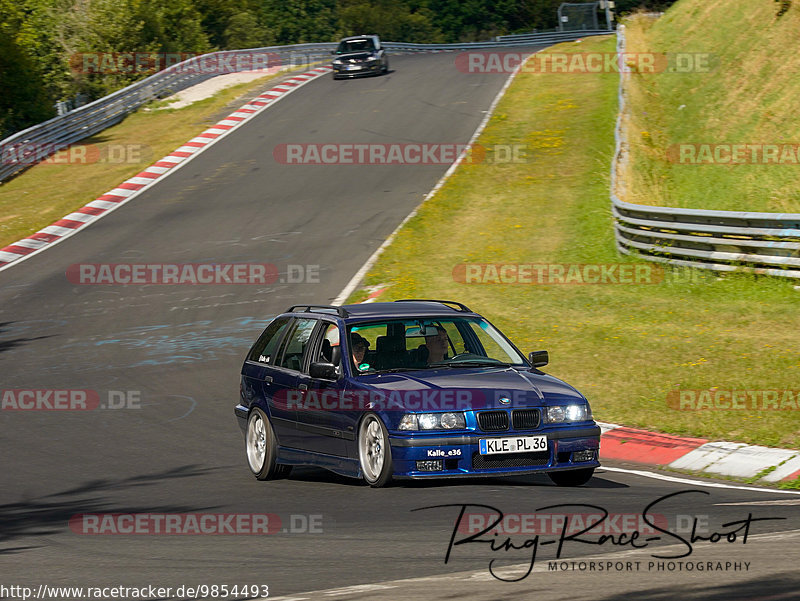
{"points": [[360, 71], [458, 455]]}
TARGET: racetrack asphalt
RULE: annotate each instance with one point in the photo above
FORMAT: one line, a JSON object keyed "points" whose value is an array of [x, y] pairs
{"points": [[176, 351]]}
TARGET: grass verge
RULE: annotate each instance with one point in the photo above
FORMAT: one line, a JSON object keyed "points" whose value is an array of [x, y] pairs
{"points": [[53, 188], [679, 119], [625, 346]]}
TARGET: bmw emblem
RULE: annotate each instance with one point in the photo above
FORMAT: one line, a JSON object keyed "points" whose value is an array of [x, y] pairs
{"points": [[504, 400]]}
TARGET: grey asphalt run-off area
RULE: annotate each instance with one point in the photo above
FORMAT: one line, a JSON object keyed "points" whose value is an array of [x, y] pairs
{"points": [[174, 353]]}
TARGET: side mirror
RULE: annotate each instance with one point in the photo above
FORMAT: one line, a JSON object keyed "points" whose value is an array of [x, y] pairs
{"points": [[323, 371], [333, 51], [539, 358]]}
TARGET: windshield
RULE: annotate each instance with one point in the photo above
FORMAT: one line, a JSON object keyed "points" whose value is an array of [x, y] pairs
{"points": [[349, 46], [425, 343]]}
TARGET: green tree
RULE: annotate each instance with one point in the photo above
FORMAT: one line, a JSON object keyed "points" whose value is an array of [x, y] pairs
{"points": [[300, 21], [107, 28], [24, 100], [244, 31], [391, 20], [174, 26]]}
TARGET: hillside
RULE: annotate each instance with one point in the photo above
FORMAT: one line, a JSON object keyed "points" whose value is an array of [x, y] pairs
{"points": [[725, 136]]}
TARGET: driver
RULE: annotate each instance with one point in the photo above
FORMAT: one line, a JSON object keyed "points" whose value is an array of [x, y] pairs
{"points": [[359, 344], [438, 345]]}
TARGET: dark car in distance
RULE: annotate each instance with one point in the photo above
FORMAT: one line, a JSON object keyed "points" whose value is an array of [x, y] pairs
{"points": [[407, 389], [358, 56]]}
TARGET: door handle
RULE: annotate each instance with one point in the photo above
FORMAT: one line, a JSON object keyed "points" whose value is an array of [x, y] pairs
{"points": [[268, 379]]}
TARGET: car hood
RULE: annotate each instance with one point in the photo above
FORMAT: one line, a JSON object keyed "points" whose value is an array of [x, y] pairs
{"points": [[483, 386]]}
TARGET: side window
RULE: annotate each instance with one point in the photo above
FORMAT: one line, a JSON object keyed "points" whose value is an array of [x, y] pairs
{"points": [[263, 350], [295, 345], [330, 350]]}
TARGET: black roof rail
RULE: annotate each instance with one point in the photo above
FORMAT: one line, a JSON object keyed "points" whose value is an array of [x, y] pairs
{"points": [[341, 311], [461, 307]]}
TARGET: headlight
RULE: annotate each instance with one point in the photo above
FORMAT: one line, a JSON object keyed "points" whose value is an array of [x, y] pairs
{"points": [[433, 421], [336, 61], [567, 413]]}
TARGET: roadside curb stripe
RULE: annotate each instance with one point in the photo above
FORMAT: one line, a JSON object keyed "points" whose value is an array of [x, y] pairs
{"points": [[113, 199], [654, 448], [698, 454]]}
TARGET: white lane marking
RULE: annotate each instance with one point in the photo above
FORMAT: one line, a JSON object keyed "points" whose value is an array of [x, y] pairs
{"points": [[356, 279], [678, 480], [358, 588], [776, 502], [541, 566]]}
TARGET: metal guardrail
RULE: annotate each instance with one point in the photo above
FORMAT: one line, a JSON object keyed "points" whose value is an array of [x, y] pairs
{"points": [[763, 243], [555, 34], [514, 36], [27, 147]]}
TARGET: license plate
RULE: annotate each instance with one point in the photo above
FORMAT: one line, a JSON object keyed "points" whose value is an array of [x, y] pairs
{"points": [[515, 444], [353, 67]]}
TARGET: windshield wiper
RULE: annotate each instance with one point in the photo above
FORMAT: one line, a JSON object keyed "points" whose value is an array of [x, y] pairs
{"points": [[392, 370], [473, 363], [414, 368]]}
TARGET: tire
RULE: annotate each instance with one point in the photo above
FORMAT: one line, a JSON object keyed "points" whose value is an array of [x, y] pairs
{"points": [[374, 451], [262, 448], [572, 477]]}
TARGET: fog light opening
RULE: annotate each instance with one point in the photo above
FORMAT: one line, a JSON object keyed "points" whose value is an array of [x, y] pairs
{"points": [[579, 456]]}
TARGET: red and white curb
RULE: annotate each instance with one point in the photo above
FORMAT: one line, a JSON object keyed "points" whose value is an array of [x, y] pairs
{"points": [[375, 292], [697, 454], [126, 191]]}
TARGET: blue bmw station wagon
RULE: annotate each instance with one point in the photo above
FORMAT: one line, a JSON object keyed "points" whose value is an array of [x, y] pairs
{"points": [[407, 389]]}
